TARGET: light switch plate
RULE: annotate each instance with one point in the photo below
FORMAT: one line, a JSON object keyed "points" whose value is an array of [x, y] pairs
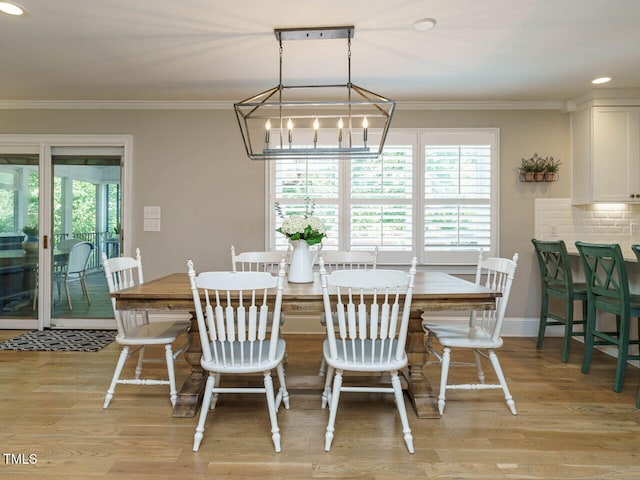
{"points": [[152, 212], [151, 224]]}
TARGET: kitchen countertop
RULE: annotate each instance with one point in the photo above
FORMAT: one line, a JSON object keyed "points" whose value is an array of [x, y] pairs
{"points": [[627, 253]]}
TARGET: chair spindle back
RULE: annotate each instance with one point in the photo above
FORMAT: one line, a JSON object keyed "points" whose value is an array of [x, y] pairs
{"points": [[372, 310], [121, 273], [241, 315], [496, 274]]}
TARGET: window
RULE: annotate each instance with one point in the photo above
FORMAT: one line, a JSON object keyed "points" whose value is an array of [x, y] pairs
{"points": [[432, 194]]}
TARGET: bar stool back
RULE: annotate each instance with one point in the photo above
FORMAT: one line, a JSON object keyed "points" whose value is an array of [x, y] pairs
{"points": [[636, 250], [557, 281], [608, 291]]}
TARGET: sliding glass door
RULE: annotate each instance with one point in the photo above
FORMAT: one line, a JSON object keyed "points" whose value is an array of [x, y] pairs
{"points": [[62, 206], [86, 221], [19, 246]]}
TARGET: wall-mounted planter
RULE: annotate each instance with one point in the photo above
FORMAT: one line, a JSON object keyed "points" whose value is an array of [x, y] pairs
{"points": [[539, 169], [539, 177]]}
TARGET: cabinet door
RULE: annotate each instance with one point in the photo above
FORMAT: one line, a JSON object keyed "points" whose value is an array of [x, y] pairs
{"points": [[616, 154]]}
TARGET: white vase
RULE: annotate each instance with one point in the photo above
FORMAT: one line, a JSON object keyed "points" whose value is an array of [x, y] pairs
{"points": [[30, 247], [301, 265]]}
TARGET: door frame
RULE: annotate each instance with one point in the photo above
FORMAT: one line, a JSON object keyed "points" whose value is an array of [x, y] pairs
{"points": [[45, 143]]}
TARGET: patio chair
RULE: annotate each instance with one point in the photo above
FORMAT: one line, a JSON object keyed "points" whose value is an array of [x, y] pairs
{"points": [[238, 336], [481, 335], [135, 330], [74, 269], [371, 316]]}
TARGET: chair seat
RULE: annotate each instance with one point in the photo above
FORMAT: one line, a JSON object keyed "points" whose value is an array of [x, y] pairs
{"points": [[463, 336], [364, 361], [233, 363], [442, 328], [613, 304], [579, 291], [154, 333]]}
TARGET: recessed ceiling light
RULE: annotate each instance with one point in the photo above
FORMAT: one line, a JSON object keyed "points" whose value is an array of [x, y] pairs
{"points": [[599, 80], [11, 9], [424, 24]]}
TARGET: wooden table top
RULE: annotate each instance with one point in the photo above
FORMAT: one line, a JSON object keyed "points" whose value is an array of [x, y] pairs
{"points": [[432, 291]]}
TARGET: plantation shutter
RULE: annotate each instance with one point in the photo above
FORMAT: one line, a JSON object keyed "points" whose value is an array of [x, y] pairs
{"points": [[316, 179], [457, 197], [381, 201]]}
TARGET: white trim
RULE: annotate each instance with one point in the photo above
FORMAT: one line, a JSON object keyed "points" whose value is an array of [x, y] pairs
{"points": [[124, 141], [114, 105], [79, 324], [483, 105], [45, 143], [418, 138], [18, 324], [561, 105]]}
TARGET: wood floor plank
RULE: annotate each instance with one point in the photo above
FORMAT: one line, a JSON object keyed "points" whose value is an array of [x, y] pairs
{"points": [[569, 425]]}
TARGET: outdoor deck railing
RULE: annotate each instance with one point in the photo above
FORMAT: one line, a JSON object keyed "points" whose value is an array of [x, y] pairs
{"points": [[98, 239]]}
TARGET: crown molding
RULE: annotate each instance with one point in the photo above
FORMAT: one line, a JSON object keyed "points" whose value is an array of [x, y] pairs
{"points": [[484, 105], [115, 105], [228, 105]]}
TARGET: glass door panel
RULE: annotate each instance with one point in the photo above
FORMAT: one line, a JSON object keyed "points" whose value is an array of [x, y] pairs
{"points": [[19, 247], [85, 224]]}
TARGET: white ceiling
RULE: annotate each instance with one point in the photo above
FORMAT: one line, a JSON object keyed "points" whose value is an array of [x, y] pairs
{"points": [[480, 50]]}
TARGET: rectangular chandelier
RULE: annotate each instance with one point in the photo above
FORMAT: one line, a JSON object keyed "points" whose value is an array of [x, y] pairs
{"points": [[314, 121]]}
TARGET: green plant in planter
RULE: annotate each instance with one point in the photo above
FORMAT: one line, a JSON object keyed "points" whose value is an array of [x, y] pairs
{"points": [[551, 167], [536, 167], [31, 231], [527, 169]]}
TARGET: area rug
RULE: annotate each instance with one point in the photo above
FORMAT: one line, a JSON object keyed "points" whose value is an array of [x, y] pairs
{"points": [[61, 341]]}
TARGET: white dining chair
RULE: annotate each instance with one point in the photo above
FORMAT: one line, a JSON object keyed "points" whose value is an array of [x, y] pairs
{"points": [[240, 334], [256, 261], [346, 260], [367, 322], [481, 335], [135, 330]]}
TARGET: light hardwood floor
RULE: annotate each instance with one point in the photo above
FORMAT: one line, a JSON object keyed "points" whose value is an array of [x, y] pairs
{"points": [[569, 425]]}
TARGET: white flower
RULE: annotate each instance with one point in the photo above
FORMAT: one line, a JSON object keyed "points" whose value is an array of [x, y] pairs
{"points": [[297, 227], [316, 224], [294, 224]]}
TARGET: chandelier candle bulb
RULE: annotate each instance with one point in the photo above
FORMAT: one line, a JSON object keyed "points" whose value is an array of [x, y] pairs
{"points": [[365, 126], [316, 125], [267, 130], [340, 127], [290, 129]]}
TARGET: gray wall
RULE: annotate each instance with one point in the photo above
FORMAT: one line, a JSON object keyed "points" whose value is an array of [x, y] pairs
{"points": [[192, 164]]}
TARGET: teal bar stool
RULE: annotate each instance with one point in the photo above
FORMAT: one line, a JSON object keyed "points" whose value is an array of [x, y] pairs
{"points": [[636, 250], [556, 281], [608, 291]]}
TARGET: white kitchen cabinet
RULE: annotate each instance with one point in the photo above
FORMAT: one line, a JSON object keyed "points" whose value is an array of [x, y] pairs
{"points": [[606, 154]]}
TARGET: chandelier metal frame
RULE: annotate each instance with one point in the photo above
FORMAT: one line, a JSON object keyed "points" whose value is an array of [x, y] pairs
{"points": [[255, 115]]}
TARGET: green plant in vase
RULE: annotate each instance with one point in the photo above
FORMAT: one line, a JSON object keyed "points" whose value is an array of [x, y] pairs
{"points": [[30, 244], [31, 231]]}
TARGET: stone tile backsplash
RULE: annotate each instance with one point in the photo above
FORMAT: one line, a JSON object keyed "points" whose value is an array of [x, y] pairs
{"points": [[557, 219]]}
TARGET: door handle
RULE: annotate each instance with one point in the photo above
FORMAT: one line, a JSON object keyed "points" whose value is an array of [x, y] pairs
{"points": [[45, 242]]}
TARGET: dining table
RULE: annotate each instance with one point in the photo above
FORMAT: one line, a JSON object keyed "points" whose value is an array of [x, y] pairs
{"points": [[433, 291]]}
